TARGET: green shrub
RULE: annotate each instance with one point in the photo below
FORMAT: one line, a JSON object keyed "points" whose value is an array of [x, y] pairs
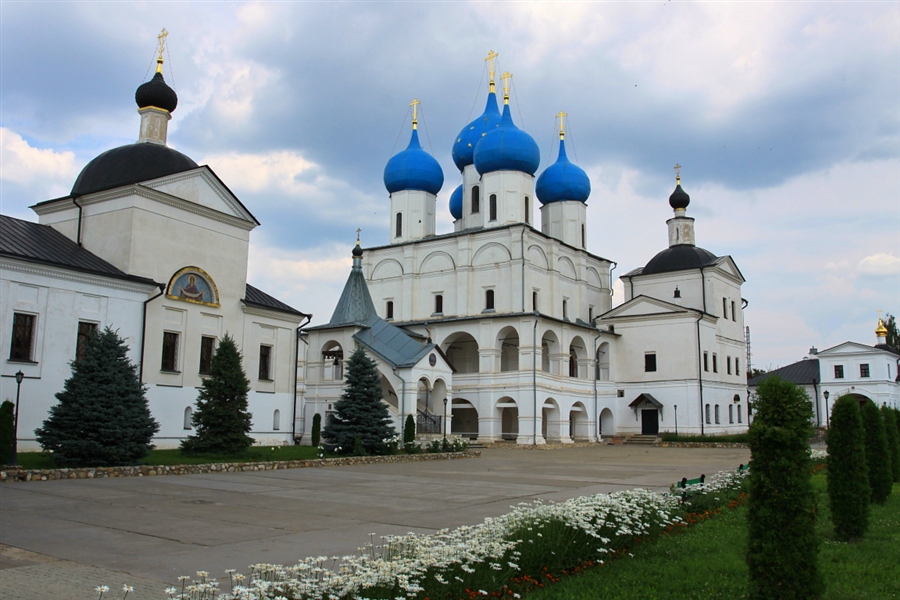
{"points": [[7, 433], [358, 448], [878, 458], [735, 438], [889, 416], [316, 429], [782, 544], [848, 476], [409, 430]]}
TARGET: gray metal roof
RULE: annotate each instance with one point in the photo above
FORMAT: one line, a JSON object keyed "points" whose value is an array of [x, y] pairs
{"points": [[395, 346], [256, 297], [42, 244], [804, 372], [355, 306]]}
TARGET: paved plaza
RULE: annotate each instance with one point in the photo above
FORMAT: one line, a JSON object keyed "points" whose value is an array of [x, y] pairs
{"points": [[61, 539]]}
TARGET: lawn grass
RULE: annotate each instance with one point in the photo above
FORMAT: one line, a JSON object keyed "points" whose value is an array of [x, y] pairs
{"points": [[707, 561], [43, 460]]}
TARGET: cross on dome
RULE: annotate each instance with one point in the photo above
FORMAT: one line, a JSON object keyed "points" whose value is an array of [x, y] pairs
{"points": [[161, 39], [562, 132], [490, 60]]}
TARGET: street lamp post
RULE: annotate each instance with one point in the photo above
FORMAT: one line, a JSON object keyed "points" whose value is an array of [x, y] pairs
{"points": [[827, 412], [445, 421], [676, 419], [15, 444]]}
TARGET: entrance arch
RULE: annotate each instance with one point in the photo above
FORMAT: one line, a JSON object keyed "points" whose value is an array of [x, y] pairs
{"points": [[508, 413], [463, 418], [579, 424], [607, 423]]}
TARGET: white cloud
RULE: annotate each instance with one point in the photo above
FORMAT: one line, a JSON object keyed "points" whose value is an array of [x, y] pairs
{"points": [[258, 172], [880, 264], [25, 164]]}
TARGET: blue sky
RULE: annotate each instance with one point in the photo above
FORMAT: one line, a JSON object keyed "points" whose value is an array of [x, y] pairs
{"points": [[784, 116]]}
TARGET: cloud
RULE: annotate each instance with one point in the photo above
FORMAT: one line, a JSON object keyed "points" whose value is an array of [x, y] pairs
{"points": [[23, 163], [880, 265]]}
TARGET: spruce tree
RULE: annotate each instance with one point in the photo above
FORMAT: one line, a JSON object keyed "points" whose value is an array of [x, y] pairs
{"points": [[889, 416], [102, 417], [409, 430], [783, 548], [221, 420], [848, 476], [359, 413], [316, 429], [878, 458]]}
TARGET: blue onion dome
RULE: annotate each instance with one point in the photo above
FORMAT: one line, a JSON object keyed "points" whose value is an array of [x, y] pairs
{"points": [[413, 169], [679, 198], [563, 181], [156, 93], [456, 202], [507, 148], [464, 146]]}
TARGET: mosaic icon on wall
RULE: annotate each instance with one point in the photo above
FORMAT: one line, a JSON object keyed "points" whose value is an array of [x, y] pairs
{"points": [[193, 284]]}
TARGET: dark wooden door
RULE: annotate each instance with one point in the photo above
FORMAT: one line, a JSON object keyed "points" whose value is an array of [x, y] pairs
{"points": [[649, 422]]}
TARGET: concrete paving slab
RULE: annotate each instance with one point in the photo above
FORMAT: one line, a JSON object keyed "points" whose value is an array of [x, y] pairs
{"points": [[153, 529]]}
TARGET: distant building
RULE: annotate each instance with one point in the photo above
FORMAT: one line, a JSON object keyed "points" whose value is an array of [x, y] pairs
{"points": [[512, 325], [850, 368], [154, 246]]}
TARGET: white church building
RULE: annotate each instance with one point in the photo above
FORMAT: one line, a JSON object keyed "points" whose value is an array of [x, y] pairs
{"points": [[154, 246], [503, 330]]}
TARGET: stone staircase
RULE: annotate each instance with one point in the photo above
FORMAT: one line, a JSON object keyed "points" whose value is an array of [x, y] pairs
{"points": [[642, 440]]}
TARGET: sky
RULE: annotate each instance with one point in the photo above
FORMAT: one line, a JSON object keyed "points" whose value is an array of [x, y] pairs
{"points": [[785, 117]]}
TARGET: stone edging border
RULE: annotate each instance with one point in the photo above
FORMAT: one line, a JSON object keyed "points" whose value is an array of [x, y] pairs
{"points": [[702, 445], [157, 470]]}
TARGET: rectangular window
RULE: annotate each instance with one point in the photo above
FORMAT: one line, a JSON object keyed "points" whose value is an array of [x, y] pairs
{"points": [[527, 211], [170, 351], [389, 310], [534, 301], [717, 414], [707, 415], [565, 309], [399, 225], [493, 207], [724, 308], [728, 364], [583, 237], [737, 366], [733, 315], [864, 370], [476, 200], [590, 313], [650, 362], [620, 393], [207, 347], [715, 363], [85, 330], [489, 300], [438, 304], [22, 337], [740, 418], [706, 361], [838, 371], [265, 362], [731, 414]]}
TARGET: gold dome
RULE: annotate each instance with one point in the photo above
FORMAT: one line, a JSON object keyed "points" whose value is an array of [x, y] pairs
{"points": [[881, 330]]}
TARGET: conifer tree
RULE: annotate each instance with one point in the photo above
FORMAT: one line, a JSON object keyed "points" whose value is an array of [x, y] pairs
{"points": [[889, 416], [409, 430], [7, 431], [878, 458], [316, 433], [783, 548], [848, 476], [221, 420], [102, 417], [359, 413]]}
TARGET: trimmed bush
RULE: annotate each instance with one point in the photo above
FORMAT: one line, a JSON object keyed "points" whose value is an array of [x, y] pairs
{"points": [[889, 416], [316, 429], [848, 475], [222, 420], [782, 544], [409, 430], [878, 458], [102, 418], [7, 431]]}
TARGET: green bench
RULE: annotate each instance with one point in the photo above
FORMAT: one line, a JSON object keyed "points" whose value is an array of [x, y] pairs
{"points": [[685, 482]]}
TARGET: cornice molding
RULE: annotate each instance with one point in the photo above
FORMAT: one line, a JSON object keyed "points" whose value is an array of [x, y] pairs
{"points": [[75, 276]]}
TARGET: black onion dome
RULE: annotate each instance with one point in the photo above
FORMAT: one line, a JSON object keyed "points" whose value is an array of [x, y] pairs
{"points": [[679, 198], [357, 251], [156, 93], [679, 258], [130, 164]]}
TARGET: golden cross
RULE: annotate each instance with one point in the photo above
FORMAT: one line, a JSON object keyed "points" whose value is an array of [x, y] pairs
{"points": [[490, 58], [161, 38], [358, 230], [562, 131], [415, 104], [677, 168], [506, 77]]}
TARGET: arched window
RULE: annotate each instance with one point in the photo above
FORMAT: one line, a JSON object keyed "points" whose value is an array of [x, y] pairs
{"points": [[399, 226], [276, 420], [476, 200], [489, 299], [740, 417], [438, 303], [493, 207], [573, 364], [707, 415], [188, 417], [717, 414], [731, 414], [527, 210]]}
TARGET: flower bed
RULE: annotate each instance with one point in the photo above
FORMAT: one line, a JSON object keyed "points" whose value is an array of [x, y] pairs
{"points": [[500, 557]]}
